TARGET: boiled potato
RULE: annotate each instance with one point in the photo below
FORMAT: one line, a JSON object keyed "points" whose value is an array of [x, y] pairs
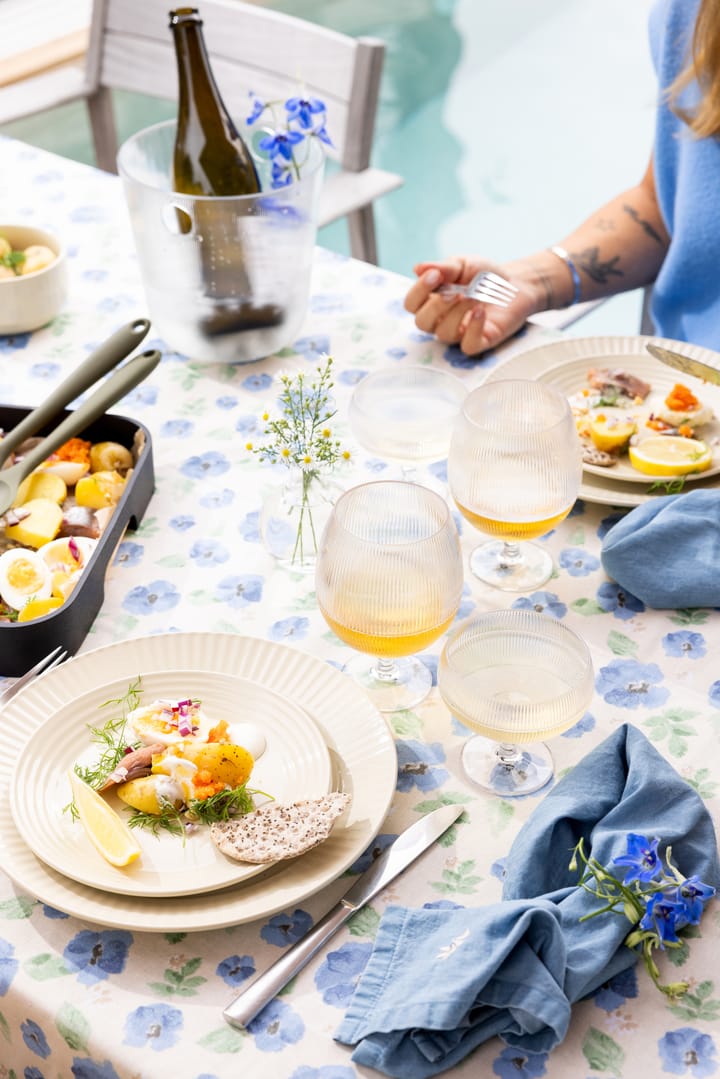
{"points": [[37, 257], [149, 794], [109, 457], [227, 764], [36, 608], [99, 489], [41, 485], [41, 524]]}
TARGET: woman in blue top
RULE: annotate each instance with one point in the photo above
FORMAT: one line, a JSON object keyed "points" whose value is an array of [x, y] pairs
{"points": [[664, 230]]}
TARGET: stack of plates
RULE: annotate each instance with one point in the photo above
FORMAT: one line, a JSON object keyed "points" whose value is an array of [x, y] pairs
{"points": [[322, 734], [564, 364]]}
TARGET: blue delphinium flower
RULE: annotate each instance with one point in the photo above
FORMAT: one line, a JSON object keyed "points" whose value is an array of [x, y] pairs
{"points": [[642, 859], [305, 111], [661, 916], [688, 1048], [693, 895], [280, 144]]}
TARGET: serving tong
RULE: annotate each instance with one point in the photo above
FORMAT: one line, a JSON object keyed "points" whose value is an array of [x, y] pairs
{"points": [[103, 359]]}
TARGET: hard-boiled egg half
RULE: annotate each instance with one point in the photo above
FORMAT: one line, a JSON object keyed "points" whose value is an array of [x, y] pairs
{"points": [[167, 721], [23, 576], [66, 558]]}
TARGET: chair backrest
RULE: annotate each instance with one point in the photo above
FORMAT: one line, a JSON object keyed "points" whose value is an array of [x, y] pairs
{"points": [[252, 48]]}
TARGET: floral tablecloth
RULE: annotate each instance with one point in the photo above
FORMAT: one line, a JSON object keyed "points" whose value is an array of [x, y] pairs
{"points": [[80, 1000]]}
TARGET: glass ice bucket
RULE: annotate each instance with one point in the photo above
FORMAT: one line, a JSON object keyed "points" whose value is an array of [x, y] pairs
{"points": [[226, 279]]}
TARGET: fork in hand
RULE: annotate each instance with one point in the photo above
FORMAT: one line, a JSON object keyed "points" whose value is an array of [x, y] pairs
{"points": [[485, 287]]}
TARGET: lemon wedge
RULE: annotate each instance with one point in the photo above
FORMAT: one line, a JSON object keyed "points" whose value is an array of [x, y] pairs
{"points": [[107, 832], [670, 455]]}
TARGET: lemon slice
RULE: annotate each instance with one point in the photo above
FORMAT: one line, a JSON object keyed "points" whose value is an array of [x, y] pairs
{"points": [[670, 455], [107, 832]]}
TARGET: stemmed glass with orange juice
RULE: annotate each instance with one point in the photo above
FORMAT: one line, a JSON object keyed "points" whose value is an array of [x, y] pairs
{"points": [[514, 470], [389, 578]]}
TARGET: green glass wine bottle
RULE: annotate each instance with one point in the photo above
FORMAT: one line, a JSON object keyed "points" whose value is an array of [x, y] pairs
{"points": [[211, 160]]}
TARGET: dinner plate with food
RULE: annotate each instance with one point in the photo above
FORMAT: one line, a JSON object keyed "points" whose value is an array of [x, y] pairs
{"points": [[613, 480], [170, 755]]}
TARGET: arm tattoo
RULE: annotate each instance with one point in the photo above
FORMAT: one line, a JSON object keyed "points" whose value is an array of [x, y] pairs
{"points": [[605, 224], [644, 225], [589, 261]]}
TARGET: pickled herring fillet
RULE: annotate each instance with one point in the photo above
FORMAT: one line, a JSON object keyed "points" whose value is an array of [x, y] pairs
{"points": [[613, 378]]}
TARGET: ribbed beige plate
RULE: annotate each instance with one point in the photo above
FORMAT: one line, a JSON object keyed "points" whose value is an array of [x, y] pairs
{"points": [[359, 742], [294, 765], [599, 351]]}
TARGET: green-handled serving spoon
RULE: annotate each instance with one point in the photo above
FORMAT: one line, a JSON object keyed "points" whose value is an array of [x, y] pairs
{"points": [[98, 363], [115, 387]]}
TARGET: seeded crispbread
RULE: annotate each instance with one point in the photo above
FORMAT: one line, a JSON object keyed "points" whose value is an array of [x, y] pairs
{"points": [[274, 832]]}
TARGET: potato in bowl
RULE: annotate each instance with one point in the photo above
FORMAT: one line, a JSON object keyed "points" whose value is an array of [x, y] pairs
{"points": [[33, 278]]}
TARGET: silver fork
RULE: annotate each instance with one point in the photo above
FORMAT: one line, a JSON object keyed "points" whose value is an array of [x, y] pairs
{"points": [[485, 287], [46, 664]]}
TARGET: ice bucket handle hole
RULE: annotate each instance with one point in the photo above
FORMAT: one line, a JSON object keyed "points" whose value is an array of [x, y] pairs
{"points": [[177, 219]]}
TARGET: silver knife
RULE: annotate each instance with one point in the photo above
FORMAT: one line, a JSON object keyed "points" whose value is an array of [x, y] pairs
{"points": [[686, 364], [407, 847]]}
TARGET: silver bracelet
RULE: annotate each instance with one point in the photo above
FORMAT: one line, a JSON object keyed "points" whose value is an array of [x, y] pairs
{"points": [[574, 273]]}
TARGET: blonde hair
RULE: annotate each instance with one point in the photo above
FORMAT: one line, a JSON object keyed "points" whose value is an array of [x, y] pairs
{"points": [[704, 68]]}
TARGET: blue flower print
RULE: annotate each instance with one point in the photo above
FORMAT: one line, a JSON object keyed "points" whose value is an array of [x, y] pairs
{"points": [[214, 499], [284, 929], [177, 428], [625, 683], [32, 1073], [340, 972], [714, 695], [439, 469], [577, 561], [211, 463], [499, 868], [240, 590], [325, 1071], [246, 424], [235, 969], [419, 765], [141, 397], [152, 598], [371, 853], [275, 1027], [34, 1038], [467, 606], [250, 527], [395, 353], [256, 383], [45, 370], [88, 1069], [8, 965], [578, 509], [182, 522], [208, 553], [443, 904], [431, 662], [352, 377], [685, 644], [611, 597], [226, 402], [617, 990], [542, 602], [583, 726], [688, 1052], [327, 303], [288, 628], [456, 358], [95, 275], [88, 214], [607, 523], [14, 342], [374, 464], [153, 1026], [515, 1064], [128, 554], [50, 912], [97, 955], [313, 348]]}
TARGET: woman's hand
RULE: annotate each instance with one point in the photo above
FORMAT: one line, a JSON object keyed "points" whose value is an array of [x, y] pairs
{"points": [[475, 326]]}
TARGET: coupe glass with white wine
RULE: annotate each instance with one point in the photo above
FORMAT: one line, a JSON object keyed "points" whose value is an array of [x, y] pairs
{"points": [[388, 580], [515, 677], [514, 469], [406, 414]]}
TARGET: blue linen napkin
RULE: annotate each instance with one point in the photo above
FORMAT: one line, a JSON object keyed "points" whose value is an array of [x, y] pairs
{"points": [[667, 551], [442, 981]]}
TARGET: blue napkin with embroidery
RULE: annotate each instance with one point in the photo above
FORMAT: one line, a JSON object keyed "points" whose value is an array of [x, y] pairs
{"points": [[440, 982], [667, 551]]}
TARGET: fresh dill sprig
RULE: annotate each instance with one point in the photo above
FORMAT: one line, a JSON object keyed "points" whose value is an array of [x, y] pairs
{"points": [[111, 737], [221, 806], [169, 819], [670, 487]]}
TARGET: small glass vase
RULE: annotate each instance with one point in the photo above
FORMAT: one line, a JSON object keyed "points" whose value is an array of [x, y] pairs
{"points": [[294, 515]]}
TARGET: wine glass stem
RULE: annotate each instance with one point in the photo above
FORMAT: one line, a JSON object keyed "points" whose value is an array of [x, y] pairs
{"points": [[508, 755], [511, 555], [385, 670]]}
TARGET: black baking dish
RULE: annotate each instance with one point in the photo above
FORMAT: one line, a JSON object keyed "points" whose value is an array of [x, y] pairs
{"points": [[22, 644]]}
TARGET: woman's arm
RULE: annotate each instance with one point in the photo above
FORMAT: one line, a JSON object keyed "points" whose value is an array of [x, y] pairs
{"points": [[618, 248]]}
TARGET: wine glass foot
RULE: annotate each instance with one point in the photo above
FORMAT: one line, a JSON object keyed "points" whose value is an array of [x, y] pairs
{"points": [[511, 568], [391, 684], [504, 769]]}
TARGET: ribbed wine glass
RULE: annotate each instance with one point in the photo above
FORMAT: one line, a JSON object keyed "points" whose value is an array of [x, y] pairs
{"points": [[389, 578], [406, 414], [514, 676], [514, 470]]}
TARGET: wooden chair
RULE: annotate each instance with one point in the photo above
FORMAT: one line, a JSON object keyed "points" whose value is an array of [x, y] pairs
{"points": [[252, 48]]}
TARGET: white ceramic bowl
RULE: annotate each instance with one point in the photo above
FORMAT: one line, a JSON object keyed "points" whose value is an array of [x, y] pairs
{"points": [[32, 300]]}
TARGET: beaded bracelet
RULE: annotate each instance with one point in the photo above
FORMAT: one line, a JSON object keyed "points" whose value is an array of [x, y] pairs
{"points": [[562, 254]]}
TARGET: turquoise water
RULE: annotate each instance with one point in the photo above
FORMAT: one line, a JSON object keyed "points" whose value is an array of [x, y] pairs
{"points": [[509, 119]]}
